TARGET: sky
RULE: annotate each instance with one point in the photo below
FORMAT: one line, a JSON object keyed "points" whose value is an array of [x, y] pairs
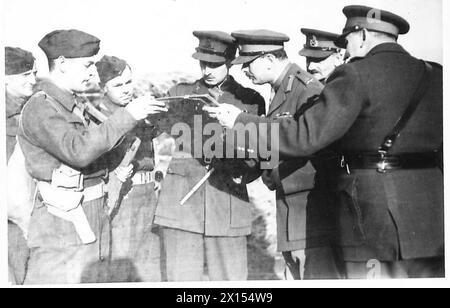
{"points": [[156, 36]]}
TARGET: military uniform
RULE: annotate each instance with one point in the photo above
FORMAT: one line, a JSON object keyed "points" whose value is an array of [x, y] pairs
{"points": [[392, 216], [17, 61], [18, 251], [13, 110], [215, 221], [56, 136], [219, 214], [133, 240], [293, 179]]}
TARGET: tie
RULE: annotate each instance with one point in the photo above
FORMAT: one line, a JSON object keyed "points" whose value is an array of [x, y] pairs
{"points": [[272, 94]]}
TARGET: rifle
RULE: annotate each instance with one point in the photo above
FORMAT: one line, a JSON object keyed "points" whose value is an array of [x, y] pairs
{"points": [[117, 190], [206, 99]]}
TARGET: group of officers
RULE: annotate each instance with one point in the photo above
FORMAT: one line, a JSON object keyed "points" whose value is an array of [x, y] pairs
{"points": [[359, 184]]}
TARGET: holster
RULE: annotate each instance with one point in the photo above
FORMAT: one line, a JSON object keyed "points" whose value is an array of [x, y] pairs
{"points": [[63, 199]]}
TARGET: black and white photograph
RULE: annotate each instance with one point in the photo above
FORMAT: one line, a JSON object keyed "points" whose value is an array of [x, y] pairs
{"points": [[169, 142]]}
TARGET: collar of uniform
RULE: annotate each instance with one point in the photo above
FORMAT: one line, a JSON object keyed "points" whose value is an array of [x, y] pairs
{"points": [[13, 105], [64, 97], [387, 47], [280, 79], [228, 84], [225, 85]]}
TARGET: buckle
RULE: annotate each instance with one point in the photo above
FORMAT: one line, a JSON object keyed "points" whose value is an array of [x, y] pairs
{"points": [[345, 165], [382, 164]]}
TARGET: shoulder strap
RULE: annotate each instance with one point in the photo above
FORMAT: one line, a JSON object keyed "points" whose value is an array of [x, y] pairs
{"points": [[417, 97]]}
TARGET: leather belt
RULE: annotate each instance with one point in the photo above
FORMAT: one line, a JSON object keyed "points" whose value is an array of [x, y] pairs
{"points": [[94, 192], [382, 163], [142, 178]]}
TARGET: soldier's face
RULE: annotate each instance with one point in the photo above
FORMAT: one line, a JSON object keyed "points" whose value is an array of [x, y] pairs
{"points": [[21, 85], [322, 68], [120, 89], [259, 70], [81, 73], [214, 73]]}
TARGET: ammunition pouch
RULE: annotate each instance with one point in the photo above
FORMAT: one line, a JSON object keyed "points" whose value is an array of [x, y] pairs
{"points": [[64, 196]]}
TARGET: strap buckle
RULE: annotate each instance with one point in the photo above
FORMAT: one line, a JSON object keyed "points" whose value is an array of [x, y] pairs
{"points": [[382, 164], [345, 165]]}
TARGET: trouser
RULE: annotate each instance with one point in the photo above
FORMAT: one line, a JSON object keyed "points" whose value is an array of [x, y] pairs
{"points": [[313, 263], [416, 268], [186, 253], [57, 255], [135, 248], [18, 254]]}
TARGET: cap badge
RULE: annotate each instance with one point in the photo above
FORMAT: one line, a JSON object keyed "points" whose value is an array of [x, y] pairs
{"points": [[314, 42], [207, 44]]}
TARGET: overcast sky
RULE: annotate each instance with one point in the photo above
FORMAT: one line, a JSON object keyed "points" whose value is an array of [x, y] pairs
{"points": [[156, 36]]}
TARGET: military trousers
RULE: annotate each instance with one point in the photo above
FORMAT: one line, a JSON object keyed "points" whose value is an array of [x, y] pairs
{"points": [[186, 254], [57, 255], [135, 249], [18, 254]]}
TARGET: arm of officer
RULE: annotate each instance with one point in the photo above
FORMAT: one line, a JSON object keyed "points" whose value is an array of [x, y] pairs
{"points": [[75, 147], [326, 121]]}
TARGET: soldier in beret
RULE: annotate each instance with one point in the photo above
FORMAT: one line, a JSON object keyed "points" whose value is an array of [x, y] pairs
{"points": [[20, 78], [64, 153], [321, 53], [382, 115], [131, 223], [265, 62], [216, 220]]}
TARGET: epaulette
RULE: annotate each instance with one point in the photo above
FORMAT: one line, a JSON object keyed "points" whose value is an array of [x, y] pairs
{"points": [[305, 78], [435, 64]]}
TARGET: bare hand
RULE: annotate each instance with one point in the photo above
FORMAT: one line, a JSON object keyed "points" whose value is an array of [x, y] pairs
{"points": [[143, 106], [124, 173], [225, 113]]}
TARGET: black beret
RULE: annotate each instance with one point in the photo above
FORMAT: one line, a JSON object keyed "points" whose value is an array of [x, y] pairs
{"points": [[70, 44], [18, 61], [215, 46], [109, 68]]}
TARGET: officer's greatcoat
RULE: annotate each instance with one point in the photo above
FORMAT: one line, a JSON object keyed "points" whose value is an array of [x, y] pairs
{"points": [[385, 216]]}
